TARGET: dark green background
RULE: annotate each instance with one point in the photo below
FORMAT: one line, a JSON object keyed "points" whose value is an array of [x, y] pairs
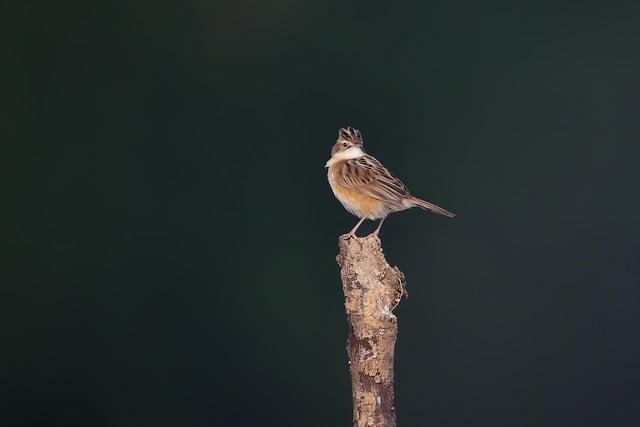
{"points": [[170, 236]]}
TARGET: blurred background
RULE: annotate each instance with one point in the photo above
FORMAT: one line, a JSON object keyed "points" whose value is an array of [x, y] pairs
{"points": [[169, 236]]}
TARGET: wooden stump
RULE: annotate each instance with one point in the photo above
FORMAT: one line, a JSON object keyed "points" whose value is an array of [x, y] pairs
{"points": [[372, 289]]}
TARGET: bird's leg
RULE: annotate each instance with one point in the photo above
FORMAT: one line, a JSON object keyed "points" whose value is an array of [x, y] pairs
{"points": [[375, 233], [352, 233]]}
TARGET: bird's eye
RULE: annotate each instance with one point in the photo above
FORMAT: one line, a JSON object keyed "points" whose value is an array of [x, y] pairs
{"points": [[344, 145]]}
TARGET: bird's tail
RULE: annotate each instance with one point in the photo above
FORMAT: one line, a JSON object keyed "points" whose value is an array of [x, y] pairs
{"points": [[423, 204]]}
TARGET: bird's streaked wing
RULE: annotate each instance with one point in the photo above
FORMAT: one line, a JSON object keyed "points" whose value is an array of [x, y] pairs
{"points": [[368, 175]]}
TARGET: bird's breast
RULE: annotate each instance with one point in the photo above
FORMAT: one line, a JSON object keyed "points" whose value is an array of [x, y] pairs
{"points": [[355, 201]]}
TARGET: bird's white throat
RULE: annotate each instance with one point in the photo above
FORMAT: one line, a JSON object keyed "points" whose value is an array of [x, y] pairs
{"points": [[351, 153]]}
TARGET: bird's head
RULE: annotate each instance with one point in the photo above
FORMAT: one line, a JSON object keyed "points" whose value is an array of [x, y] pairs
{"points": [[347, 138]]}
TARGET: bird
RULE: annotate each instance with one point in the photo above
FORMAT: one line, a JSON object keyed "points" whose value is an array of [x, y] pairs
{"points": [[365, 187]]}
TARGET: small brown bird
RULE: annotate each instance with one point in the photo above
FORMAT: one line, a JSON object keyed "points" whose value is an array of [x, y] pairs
{"points": [[364, 186]]}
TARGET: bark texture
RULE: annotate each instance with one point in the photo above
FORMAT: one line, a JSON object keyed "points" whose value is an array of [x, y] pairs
{"points": [[372, 289]]}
